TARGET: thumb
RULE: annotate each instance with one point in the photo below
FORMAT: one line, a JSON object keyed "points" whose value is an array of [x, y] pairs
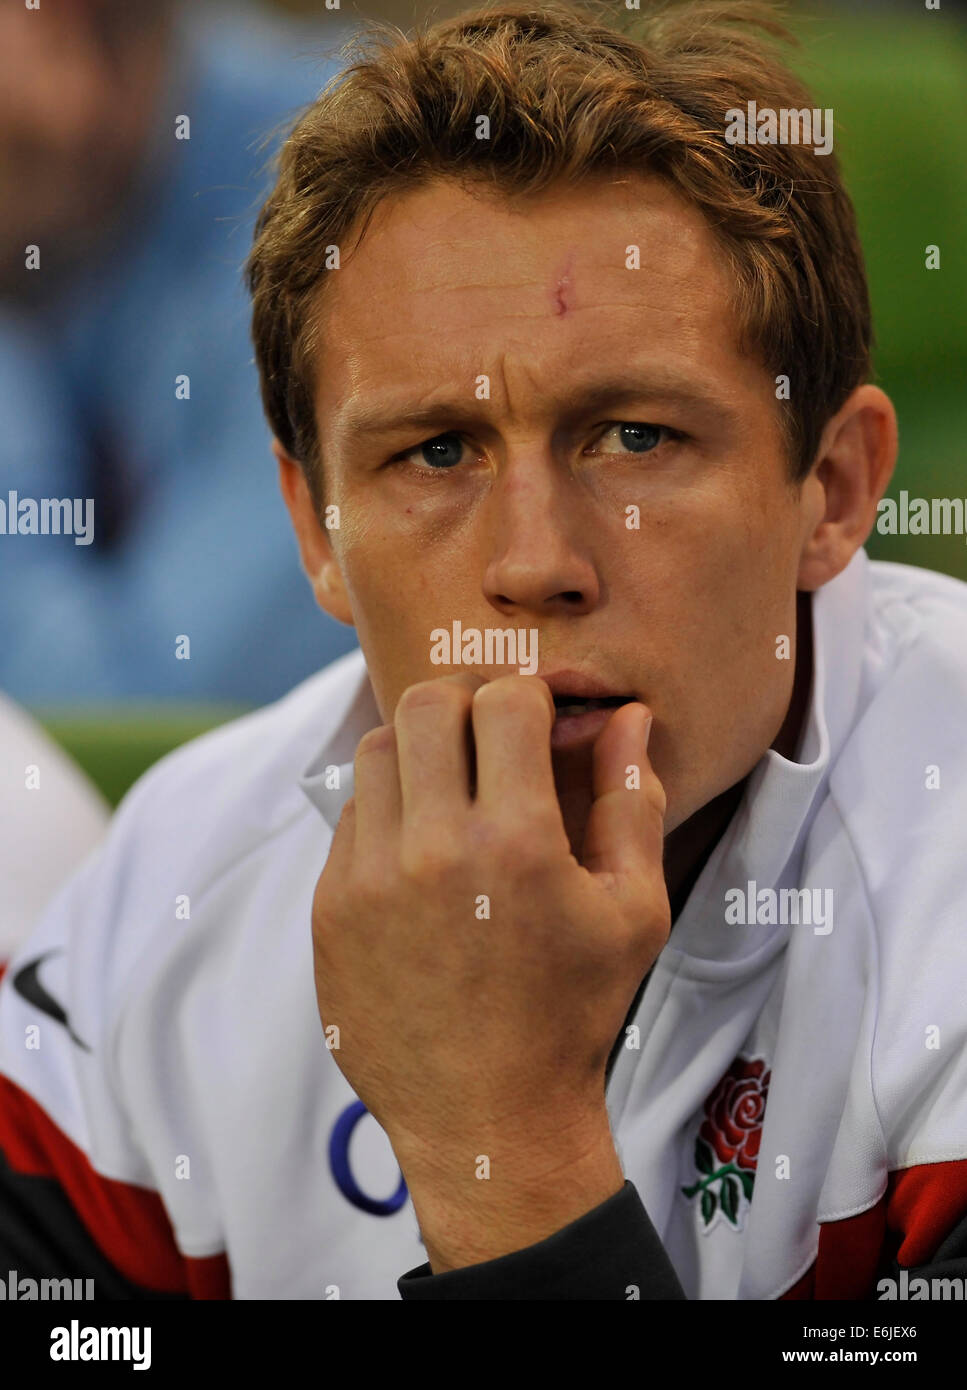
{"points": [[625, 831]]}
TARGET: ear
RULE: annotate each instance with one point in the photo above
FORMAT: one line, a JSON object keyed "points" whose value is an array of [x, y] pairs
{"points": [[318, 560], [854, 464]]}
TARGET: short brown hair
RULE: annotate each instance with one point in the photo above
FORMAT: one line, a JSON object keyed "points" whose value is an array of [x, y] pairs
{"points": [[573, 91]]}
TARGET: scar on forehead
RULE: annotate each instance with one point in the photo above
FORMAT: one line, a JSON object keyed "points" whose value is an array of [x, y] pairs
{"points": [[562, 287]]}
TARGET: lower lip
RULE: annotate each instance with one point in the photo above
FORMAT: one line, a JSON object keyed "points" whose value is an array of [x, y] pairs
{"points": [[571, 730]]}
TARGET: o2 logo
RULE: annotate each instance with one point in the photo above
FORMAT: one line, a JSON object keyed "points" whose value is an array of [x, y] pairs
{"points": [[339, 1163]]}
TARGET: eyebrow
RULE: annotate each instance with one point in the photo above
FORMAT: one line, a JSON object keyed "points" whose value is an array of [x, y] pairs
{"points": [[383, 418]]}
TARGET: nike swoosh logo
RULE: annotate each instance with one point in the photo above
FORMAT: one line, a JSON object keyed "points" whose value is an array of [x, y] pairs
{"points": [[27, 984]]}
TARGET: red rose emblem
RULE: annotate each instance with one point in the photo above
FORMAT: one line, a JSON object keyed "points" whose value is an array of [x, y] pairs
{"points": [[734, 1112], [727, 1144]]}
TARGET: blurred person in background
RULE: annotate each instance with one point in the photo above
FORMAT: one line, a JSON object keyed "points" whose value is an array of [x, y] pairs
{"points": [[125, 369]]}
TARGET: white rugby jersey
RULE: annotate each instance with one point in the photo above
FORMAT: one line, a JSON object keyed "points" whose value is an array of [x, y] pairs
{"points": [[790, 1099], [51, 816]]}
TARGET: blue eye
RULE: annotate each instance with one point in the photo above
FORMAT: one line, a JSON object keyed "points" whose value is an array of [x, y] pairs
{"points": [[638, 438], [442, 451]]}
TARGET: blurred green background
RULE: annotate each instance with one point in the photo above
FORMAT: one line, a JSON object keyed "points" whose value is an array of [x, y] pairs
{"points": [[894, 75], [896, 78]]}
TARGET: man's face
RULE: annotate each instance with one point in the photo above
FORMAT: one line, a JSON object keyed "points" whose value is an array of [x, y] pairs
{"points": [[523, 514]]}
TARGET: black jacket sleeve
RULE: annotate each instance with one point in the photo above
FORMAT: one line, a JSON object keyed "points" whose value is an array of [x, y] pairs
{"points": [[949, 1262], [42, 1238], [610, 1252]]}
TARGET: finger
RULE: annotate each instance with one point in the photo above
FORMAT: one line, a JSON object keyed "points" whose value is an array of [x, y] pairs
{"points": [[376, 790], [432, 721], [512, 719], [625, 829]]}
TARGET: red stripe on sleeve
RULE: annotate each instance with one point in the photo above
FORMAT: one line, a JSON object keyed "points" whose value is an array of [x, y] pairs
{"points": [[926, 1202], [128, 1223], [849, 1253], [919, 1209]]}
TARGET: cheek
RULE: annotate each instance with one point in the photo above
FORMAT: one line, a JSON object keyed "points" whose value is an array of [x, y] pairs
{"points": [[734, 607], [710, 570], [737, 545], [713, 592], [386, 589], [398, 598]]}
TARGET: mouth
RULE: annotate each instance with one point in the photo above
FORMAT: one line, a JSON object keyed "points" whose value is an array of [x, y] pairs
{"points": [[583, 705], [577, 692], [572, 706]]}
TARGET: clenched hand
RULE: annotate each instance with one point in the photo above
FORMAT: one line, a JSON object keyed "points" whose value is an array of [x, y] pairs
{"points": [[478, 973]]}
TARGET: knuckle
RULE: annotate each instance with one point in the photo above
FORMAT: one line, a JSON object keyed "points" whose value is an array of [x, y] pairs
{"points": [[430, 860], [525, 694], [523, 846], [484, 837], [468, 682], [378, 740], [442, 693], [525, 851], [367, 893], [488, 837]]}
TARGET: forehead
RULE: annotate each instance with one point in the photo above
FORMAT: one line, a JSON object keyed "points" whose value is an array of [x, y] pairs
{"points": [[449, 281]]}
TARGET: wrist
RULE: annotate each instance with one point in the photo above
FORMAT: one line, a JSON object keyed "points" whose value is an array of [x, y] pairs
{"points": [[478, 1204]]}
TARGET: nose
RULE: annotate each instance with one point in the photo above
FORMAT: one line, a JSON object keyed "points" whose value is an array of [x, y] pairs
{"points": [[541, 561]]}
